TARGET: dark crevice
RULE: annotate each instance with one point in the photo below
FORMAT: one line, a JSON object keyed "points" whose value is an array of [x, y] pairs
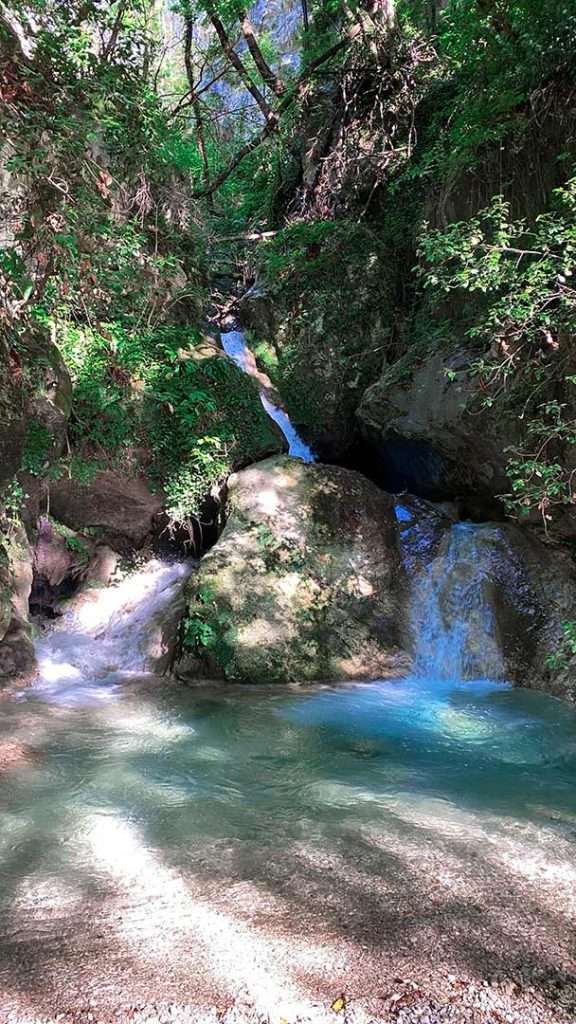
{"points": [[193, 537]]}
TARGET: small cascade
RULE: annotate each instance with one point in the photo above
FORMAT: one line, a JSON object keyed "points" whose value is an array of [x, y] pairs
{"points": [[110, 633], [453, 613], [234, 344]]}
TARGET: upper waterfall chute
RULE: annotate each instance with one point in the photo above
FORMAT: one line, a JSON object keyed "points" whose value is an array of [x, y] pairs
{"points": [[234, 344]]}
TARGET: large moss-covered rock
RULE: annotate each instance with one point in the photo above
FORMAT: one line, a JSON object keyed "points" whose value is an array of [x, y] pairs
{"points": [[304, 583], [332, 292], [35, 403]]}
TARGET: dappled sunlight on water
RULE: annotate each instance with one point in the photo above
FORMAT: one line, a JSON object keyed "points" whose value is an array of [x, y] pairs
{"points": [[188, 828], [260, 837]]}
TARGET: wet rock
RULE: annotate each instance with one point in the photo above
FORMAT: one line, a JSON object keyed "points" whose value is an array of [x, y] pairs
{"points": [[533, 593], [17, 656], [119, 509], [422, 526], [304, 583], [551, 578], [257, 311], [161, 634], [103, 565], [432, 435], [61, 561]]}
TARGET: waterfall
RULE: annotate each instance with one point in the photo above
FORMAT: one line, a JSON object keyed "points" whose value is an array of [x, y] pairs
{"points": [[234, 344], [111, 632], [453, 610]]}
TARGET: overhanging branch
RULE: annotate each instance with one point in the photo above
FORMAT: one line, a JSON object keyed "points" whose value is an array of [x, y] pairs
{"points": [[272, 125]]}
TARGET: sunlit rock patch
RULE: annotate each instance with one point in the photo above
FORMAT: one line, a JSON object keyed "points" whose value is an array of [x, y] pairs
{"points": [[305, 582]]}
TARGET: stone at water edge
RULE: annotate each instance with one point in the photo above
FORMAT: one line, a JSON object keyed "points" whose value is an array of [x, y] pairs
{"points": [[17, 656], [454, 448], [304, 584]]}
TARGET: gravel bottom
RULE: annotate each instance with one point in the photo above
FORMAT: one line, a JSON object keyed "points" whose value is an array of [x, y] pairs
{"points": [[304, 937], [534, 997], [463, 1002], [432, 914]]}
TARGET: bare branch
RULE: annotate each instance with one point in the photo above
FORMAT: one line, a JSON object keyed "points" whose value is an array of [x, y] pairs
{"points": [[110, 46], [272, 126], [188, 99], [251, 236], [239, 66], [272, 80], [197, 109]]}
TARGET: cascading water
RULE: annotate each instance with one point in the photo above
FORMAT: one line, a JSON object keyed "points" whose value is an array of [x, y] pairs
{"points": [[107, 634], [453, 612], [234, 344]]}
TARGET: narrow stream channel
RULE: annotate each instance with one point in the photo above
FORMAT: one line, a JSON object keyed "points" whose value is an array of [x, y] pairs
{"points": [[234, 344]]}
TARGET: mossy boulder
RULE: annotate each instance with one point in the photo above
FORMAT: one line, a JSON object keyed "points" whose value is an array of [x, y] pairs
{"points": [[304, 584], [331, 286]]}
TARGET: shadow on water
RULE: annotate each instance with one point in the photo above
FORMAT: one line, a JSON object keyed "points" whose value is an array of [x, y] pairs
{"points": [[158, 841], [412, 819]]}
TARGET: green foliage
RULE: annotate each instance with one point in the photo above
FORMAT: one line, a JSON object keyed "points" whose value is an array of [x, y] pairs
{"points": [[99, 188], [491, 56], [13, 498], [74, 543], [170, 393], [562, 658], [265, 355], [208, 630], [83, 471], [303, 251], [526, 275], [111, 251], [37, 447]]}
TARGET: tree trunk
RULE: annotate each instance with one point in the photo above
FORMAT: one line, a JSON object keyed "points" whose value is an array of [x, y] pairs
{"points": [[110, 46], [272, 81], [239, 66], [196, 108]]}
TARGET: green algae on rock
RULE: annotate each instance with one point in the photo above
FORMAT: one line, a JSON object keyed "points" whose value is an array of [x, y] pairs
{"points": [[304, 584]]}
